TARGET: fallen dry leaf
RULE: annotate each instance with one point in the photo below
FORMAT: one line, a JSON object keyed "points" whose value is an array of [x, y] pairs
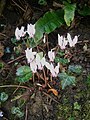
{"points": [[55, 92]]}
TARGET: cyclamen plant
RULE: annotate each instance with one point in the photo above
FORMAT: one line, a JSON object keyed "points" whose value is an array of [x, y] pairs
{"points": [[37, 62], [21, 32]]}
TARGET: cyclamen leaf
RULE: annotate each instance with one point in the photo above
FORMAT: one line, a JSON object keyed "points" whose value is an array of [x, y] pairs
{"points": [[48, 23], [75, 69], [66, 80], [69, 11], [16, 111], [61, 60], [24, 74], [3, 96]]}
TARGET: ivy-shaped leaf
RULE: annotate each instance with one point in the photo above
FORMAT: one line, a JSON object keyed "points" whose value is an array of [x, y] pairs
{"points": [[61, 60], [3, 97], [61, 53], [66, 80], [75, 69], [69, 11], [24, 73], [48, 23], [17, 111]]}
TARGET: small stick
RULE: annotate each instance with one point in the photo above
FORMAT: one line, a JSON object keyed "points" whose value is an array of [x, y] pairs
{"points": [[12, 61], [18, 6], [50, 97], [45, 77], [3, 34], [26, 113], [25, 87], [16, 89]]}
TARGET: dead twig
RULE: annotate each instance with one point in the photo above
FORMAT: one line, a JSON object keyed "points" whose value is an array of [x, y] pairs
{"points": [[3, 34], [26, 113], [18, 6], [6, 86], [50, 97], [12, 61]]}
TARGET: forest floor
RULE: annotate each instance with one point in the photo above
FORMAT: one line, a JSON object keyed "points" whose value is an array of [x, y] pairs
{"points": [[72, 103]]}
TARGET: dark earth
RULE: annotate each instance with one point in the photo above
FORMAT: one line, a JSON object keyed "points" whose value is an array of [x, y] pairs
{"points": [[38, 104]]}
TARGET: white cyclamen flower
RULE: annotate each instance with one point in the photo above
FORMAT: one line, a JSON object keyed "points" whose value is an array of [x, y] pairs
{"points": [[54, 71], [44, 39], [51, 55], [30, 55], [62, 42], [40, 62], [19, 33], [33, 66], [1, 114], [31, 30], [71, 41]]}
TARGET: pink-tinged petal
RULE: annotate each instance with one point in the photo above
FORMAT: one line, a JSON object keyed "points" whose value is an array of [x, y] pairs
{"points": [[19, 33], [30, 55], [33, 66], [75, 40], [57, 69], [60, 38], [31, 30], [38, 62], [51, 55], [44, 39], [62, 42], [48, 66], [71, 41]]}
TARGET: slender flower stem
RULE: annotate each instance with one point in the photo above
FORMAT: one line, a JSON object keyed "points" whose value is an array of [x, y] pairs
{"points": [[45, 77]]}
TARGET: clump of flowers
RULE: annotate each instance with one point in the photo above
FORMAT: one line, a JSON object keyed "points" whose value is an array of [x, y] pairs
{"points": [[44, 63], [22, 32], [33, 58], [64, 41]]}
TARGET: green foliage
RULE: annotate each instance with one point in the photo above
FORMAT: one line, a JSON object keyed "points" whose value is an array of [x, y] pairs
{"points": [[42, 2], [48, 23], [24, 73], [88, 80], [71, 118], [3, 97], [66, 79], [40, 54], [14, 41], [69, 12], [16, 111], [1, 65], [75, 69], [77, 106], [85, 11], [61, 53], [61, 60]]}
